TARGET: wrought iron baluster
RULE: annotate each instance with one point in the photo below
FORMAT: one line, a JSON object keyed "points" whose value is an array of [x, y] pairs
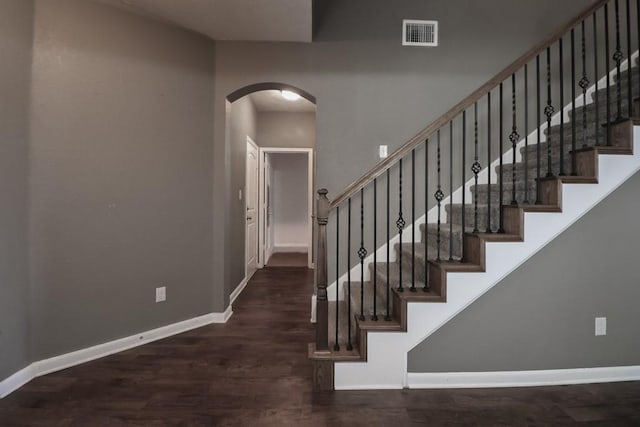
{"points": [[349, 344], [439, 196], [638, 47], [464, 180], [584, 84], [548, 111], [400, 223], [426, 218], [336, 347], [629, 78], [526, 135], [561, 94], [362, 253], [573, 103], [608, 67], [596, 74], [475, 168], [387, 316], [489, 159], [618, 56], [413, 221], [514, 137], [501, 190], [375, 249], [450, 218], [539, 126]]}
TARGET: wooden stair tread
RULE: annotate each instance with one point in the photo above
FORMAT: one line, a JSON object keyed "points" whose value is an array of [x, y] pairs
{"points": [[338, 356], [535, 208], [458, 267], [419, 296], [380, 325], [604, 149], [497, 237]]}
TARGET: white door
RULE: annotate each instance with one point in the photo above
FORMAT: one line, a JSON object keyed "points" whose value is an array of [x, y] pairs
{"points": [[251, 193]]}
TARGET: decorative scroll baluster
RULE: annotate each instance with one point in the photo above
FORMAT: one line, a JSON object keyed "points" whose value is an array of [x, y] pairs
{"points": [[450, 218], [349, 344], [374, 317], [362, 253], [501, 190], [596, 74], [548, 111], [584, 84], [439, 196], [573, 103], [475, 168], [514, 137], [561, 75], [413, 221], [387, 316], [489, 159], [539, 125], [618, 56], [608, 67], [336, 347], [322, 302], [464, 180], [426, 216], [400, 223], [526, 135], [629, 79]]}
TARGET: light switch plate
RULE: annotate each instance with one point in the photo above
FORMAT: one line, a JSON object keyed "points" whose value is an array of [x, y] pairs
{"points": [[161, 294], [601, 326], [384, 152]]}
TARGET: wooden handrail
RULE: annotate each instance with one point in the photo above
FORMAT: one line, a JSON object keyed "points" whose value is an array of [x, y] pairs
{"points": [[467, 102]]}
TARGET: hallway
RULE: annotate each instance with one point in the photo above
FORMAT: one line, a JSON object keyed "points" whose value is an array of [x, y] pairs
{"points": [[253, 371]]}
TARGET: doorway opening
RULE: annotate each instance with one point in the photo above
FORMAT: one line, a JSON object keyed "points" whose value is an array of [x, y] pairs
{"points": [[271, 135], [286, 237]]}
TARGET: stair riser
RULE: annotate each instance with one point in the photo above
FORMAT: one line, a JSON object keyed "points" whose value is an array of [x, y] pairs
{"points": [[482, 195]]}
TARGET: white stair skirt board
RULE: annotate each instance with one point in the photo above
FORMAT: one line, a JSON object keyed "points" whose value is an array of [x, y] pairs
{"points": [[522, 378], [79, 357], [387, 352], [432, 215]]}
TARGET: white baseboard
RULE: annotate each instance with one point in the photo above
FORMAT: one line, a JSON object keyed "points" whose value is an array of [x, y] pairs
{"points": [[238, 290], [522, 378], [79, 357]]}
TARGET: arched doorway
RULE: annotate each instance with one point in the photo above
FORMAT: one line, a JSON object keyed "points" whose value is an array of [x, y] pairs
{"points": [[278, 121]]}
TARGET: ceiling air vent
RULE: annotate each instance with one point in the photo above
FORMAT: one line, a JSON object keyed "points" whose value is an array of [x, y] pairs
{"points": [[419, 33]]}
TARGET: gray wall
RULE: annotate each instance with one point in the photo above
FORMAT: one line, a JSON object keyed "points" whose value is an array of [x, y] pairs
{"points": [[121, 179], [370, 90], [243, 123], [541, 316], [15, 50], [288, 130]]}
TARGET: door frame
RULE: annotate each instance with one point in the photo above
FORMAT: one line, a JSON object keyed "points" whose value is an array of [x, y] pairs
{"points": [[258, 211], [263, 151]]}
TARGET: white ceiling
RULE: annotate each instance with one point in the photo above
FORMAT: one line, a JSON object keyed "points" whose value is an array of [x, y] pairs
{"points": [[272, 101], [256, 20]]}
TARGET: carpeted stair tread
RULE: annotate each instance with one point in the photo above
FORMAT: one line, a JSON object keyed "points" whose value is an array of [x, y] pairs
{"points": [[342, 328], [356, 292]]}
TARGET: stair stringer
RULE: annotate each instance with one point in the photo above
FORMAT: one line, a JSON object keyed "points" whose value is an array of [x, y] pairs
{"points": [[386, 365]]}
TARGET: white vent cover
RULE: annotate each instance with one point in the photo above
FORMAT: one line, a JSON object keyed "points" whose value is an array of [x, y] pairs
{"points": [[419, 33]]}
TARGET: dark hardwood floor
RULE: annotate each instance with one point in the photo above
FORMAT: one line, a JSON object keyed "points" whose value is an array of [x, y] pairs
{"points": [[253, 371]]}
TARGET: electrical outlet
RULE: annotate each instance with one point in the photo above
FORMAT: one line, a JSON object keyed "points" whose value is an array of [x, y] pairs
{"points": [[601, 326], [384, 152], [161, 294]]}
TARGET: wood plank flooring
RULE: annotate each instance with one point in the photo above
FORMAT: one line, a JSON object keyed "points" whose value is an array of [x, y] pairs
{"points": [[253, 371]]}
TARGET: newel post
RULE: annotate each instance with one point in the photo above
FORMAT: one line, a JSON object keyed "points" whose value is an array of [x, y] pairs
{"points": [[322, 305]]}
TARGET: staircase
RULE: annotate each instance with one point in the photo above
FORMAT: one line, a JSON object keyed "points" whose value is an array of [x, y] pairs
{"points": [[492, 212]]}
